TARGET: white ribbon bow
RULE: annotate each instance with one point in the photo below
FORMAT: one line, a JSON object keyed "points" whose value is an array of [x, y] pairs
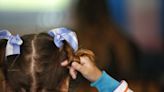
{"points": [[13, 43], [61, 34]]}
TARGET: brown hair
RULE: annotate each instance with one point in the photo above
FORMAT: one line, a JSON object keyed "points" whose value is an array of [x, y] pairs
{"points": [[37, 68]]}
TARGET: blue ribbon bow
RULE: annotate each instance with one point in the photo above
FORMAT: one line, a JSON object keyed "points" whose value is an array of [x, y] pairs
{"points": [[13, 44], [61, 34]]}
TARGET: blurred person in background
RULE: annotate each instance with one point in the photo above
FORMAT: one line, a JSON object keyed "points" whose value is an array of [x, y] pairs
{"points": [[133, 50]]}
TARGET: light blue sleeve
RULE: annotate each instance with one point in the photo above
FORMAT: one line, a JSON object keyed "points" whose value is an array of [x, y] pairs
{"points": [[105, 83]]}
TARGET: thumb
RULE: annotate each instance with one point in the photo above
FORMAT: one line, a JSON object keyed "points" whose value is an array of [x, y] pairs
{"points": [[77, 66]]}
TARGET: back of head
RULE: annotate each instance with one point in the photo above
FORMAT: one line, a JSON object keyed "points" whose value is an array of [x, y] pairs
{"points": [[32, 63], [37, 68]]}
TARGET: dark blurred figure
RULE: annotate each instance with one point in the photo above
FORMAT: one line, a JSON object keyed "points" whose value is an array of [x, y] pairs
{"points": [[115, 52], [99, 32]]}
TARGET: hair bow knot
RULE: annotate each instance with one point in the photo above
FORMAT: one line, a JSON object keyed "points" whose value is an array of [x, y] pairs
{"points": [[61, 34]]}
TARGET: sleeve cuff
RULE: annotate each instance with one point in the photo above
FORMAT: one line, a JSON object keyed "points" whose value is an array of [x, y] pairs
{"points": [[105, 83]]}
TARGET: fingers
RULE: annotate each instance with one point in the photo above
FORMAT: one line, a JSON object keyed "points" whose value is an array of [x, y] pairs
{"points": [[77, 66], [64, 63], [73, 68], [84, 59], [73, 72]]}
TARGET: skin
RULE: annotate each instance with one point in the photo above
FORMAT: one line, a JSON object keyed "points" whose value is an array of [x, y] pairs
{"points": [[86, 67]]}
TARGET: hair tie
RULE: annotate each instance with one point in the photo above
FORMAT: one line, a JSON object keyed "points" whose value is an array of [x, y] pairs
{"points": [[13, 43], [61, 34]]}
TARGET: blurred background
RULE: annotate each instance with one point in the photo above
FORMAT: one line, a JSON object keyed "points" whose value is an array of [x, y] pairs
{"points": [[127, 36]]}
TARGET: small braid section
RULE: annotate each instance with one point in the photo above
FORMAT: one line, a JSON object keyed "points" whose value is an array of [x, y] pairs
{"points": [[86, 52], [75, 56]]}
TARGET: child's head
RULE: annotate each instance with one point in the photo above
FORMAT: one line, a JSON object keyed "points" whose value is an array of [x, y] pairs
{"points": [[37, 68]]}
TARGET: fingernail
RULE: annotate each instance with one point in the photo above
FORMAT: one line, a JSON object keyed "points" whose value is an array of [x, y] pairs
{"points": [[74, 77], [61, 63], [74, 64]]}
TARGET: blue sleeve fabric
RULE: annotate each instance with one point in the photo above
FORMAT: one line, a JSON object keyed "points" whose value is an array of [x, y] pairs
{"points": [[105, 83]]}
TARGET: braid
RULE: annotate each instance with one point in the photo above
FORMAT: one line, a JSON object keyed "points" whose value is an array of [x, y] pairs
{"points": [[75, 57], [71, 56]]}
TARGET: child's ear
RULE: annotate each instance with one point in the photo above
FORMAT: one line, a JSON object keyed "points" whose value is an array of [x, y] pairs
{"points": [[2, 50]]}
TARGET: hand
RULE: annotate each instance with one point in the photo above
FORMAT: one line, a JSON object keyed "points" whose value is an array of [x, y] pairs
{"points": [[86, 67]]}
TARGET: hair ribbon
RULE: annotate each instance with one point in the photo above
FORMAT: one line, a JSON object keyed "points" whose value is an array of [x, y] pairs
{"points": [[61, 34], [13, 43]]}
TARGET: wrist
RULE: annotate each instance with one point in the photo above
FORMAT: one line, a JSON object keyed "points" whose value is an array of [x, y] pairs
{"points": [[96, 75]]}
